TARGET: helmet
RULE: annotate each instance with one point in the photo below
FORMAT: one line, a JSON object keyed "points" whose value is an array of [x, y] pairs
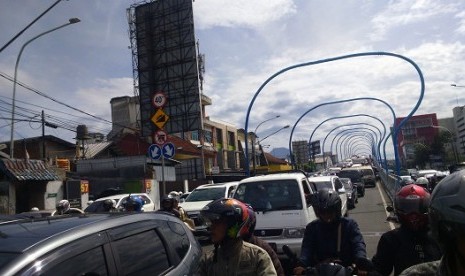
{"points": [[174, 195], [252, 221], [62, 206], [326, 200], [109, 204], [411, 206], [133, 203], [422, 181], [34, 209], [233, 211], [447, 208]]}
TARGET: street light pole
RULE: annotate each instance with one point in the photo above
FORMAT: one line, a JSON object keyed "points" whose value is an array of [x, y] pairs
{"points": [[258, 142], [71, 21], [254, 140]]}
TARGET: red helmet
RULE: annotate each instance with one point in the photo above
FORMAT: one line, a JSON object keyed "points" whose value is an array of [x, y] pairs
{"points": [[411, 205]]}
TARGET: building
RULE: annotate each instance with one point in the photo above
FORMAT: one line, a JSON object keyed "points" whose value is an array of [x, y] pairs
{"points": [[418, 130], [301, 152], [459, 127]]}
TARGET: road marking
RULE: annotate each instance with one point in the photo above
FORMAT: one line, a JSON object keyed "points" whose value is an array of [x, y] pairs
{"points": [[385, 205]]}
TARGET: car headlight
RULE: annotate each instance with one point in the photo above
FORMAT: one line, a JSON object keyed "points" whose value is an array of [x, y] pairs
{"points": [[294, 232]]}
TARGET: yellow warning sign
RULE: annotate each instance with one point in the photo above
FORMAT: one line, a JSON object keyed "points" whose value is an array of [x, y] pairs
{"points": [[160, 118]]}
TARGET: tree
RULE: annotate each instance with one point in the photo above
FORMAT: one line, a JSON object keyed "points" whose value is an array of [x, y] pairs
{"points": [[422, 153]]}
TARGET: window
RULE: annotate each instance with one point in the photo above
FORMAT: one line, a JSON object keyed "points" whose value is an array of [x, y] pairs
{"points": [[231, 138], [208, 136], [176, 237], [94, 264], [142, 254], [219, 136]]}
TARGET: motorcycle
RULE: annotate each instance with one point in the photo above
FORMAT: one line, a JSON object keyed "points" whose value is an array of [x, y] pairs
{"points": [[332, 268]]}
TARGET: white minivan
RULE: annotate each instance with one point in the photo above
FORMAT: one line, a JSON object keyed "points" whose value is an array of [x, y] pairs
{"points": [[282, 205]]}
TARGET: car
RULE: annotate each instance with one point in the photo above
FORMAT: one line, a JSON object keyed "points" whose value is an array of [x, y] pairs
{"points": [[356, 177], [201, 196], [97, 205], [368, 176], [183, 197], [331, 182], [282, 207], [119, 243], [351, 192]]}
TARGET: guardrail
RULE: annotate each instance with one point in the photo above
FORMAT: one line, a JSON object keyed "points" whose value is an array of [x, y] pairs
{"points": [[390, 183]]}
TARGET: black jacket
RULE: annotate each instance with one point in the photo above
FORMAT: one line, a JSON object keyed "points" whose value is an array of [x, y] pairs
{"points": [[401, 248], [320, 242]]}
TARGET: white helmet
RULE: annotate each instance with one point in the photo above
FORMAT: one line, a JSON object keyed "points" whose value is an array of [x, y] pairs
{"points": [[175, 195]]}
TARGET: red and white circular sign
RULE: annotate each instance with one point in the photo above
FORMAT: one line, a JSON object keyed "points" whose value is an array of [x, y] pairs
{"points": [[159, 99], [160, 137]]}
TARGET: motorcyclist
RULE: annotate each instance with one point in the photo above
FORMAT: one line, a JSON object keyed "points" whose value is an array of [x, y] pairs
{"points": [[182, 214], [423, 182], [229, 220], [167, 205], [447, 222], [63, 207], [409, 244], [133, 204], [331, 237], [109, 205], [249, 236]]}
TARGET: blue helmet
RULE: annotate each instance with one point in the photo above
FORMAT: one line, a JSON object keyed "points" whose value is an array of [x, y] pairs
{"points": [[133, 203]]}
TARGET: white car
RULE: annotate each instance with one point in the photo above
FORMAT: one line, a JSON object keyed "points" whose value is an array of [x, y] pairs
{"points": [[334, 183], [201, 196], [97, 205], [282, 207]]}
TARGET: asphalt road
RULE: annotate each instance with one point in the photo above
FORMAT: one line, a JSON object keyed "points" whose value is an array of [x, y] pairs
{"points": [[370, 214]]}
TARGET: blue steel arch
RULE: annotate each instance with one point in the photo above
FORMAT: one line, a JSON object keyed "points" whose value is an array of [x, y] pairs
{"points": [[422, 90]]}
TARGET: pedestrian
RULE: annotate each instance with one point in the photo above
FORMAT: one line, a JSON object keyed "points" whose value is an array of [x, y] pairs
{"points": [[447, 222], [409, 244], [229, 220]]}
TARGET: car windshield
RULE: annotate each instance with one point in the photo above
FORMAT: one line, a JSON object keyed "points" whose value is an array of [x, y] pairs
{"points": [[319, 185], [354, 175], [206, 194], [270, 195], [347, 184], [96, 206]]}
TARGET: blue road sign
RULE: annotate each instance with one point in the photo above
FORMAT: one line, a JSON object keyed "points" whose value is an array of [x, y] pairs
{"points": [[168, 150], [154, 151]]}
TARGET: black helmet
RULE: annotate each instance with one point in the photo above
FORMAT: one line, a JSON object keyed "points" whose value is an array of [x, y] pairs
{"points": [[233, 211], [109, 204], [447, 208], [253, 222], [327, 200]]}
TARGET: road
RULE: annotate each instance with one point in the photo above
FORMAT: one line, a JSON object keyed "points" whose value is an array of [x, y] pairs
{"points": [[370, 214]]}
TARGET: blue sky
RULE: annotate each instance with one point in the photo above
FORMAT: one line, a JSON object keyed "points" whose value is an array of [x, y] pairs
{"points": [[245, 42]]}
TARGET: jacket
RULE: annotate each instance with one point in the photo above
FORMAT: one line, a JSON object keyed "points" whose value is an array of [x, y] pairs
{"points": [[320, 242], [236, 257], [401, 248], [434, 268], [274, 257]]}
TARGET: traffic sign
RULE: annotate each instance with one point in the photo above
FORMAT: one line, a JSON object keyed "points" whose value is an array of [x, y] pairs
{"points": [[160, 137], [159, 99], [168, 150], [160, 118], [154, 151]]}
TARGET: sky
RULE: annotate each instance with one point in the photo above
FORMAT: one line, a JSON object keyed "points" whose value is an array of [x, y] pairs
{"points": [[255, 52]]}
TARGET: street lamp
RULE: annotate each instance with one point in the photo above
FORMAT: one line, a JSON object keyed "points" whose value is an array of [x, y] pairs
{"points": [[254, 140], [456, 95], [71, 21], [273, 133]]}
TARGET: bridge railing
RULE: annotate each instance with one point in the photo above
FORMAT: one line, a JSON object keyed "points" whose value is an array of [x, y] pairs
{"points": [[390, 182]]}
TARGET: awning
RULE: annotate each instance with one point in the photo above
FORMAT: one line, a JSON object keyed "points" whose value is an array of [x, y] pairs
{"points": [[24, 170]]}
